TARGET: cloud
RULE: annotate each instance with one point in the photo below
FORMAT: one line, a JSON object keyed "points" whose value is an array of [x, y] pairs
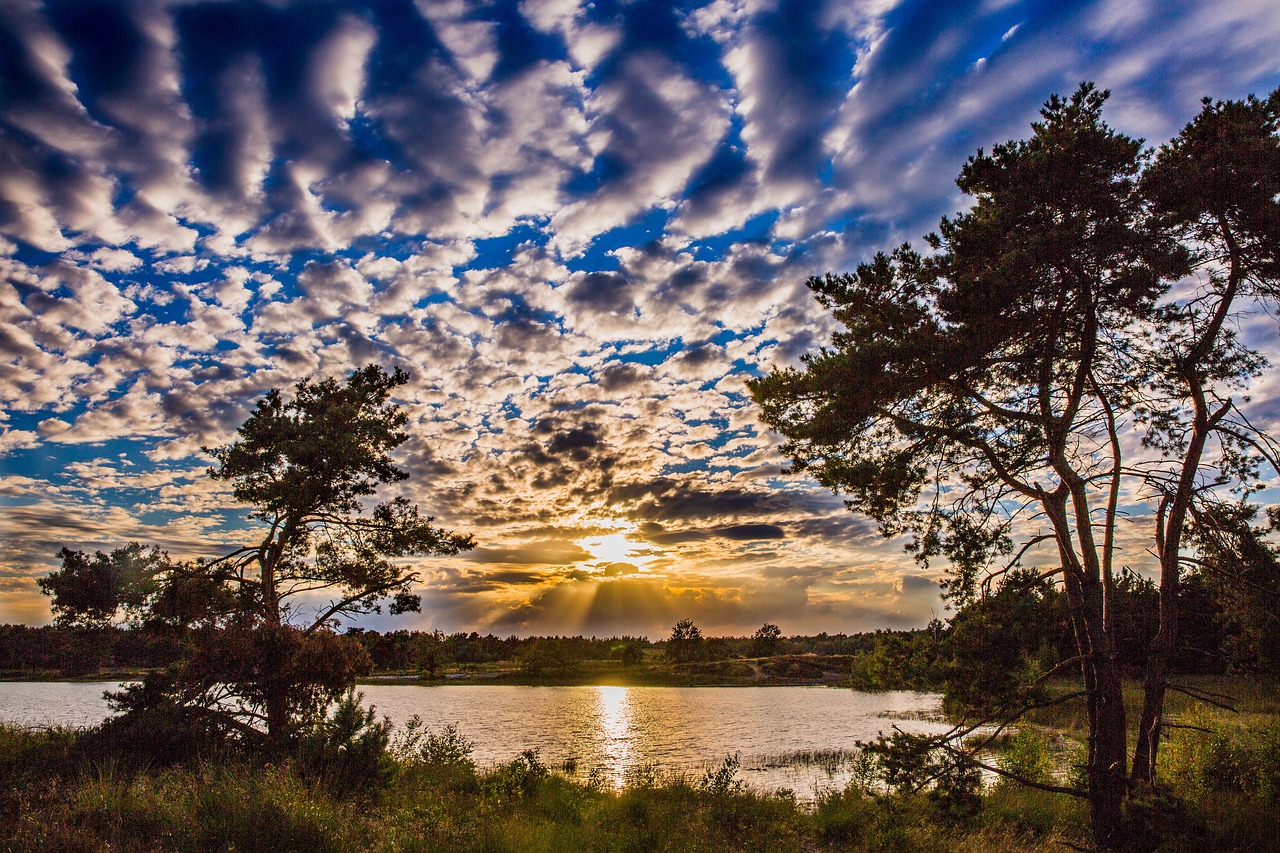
{"points": [[655, 127], [547, 552], [751, 532], [581, 227]]}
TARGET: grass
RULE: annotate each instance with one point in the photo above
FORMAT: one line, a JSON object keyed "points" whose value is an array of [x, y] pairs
{"points": [[242, 807], [54, 800], [1223, 772]]}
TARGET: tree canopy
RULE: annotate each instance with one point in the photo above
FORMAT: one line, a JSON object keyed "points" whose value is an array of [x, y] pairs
{"points": [[977, 396], [263, 655], [686, 642]]}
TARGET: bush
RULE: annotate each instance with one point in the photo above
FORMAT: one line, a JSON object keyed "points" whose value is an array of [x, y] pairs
{"points": [[722, 781], [517, 779], [448, 748], [153, 730], [1026, 754], [349, 749], [1211, 756]]}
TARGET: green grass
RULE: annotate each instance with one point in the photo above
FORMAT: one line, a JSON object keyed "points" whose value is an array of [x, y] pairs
{"points": [[242, 807], [52, 798], [1224, 777]]}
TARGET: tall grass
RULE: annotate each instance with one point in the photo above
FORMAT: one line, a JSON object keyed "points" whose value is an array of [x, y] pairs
{"points": [[436, 799], [1225, 780]]}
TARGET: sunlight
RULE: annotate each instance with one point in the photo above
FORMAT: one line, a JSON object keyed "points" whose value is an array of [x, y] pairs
{"points": [[614, 710], [613, 548]]}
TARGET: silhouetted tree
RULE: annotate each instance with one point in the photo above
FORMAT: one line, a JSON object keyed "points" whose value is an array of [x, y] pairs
{"points": [[999, 644], [766, 640], [685, 643], [1216, 188], [991, 377], [305, 466], [1240, 568]]}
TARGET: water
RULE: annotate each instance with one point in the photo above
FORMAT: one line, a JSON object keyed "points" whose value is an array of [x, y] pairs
{"points": [[785, 737]]}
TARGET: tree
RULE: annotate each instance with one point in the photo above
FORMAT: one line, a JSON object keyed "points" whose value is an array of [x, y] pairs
{"points": [[766, 640], [973, 386], [1000, 644], [264, 655], [629, 651], [1239, 565], [96, 591], [1216, 188], [685, 643], [983, 389]]}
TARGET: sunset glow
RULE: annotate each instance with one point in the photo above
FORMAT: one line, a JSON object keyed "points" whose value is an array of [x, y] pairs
{"points": [[614, 548], [581, 228]]}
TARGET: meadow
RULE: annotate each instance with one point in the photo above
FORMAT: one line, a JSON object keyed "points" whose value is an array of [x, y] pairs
{"points": [[357, 787]]}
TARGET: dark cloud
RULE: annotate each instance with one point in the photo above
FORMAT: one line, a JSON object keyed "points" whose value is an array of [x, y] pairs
{"points": [[623, 377], [751, 532], [603, 293], [547, 552], [912, 583], [665, 499], [580, 227], [659, 535]]}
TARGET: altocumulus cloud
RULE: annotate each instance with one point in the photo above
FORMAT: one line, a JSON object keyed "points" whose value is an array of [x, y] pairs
{"points": [[579, 226]]}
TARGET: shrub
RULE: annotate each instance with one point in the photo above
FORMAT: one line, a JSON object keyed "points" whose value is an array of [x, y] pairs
{"points": [[447, 748], [519, 778], [722, 781], [1208, 755], [350, 748], [1026, 754]]}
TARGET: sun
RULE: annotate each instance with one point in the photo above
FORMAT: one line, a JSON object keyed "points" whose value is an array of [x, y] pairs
{"points": [[612, 548]]}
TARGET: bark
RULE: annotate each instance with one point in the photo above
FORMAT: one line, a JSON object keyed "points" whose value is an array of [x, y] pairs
{"points": [[1107, 745], [1172, 526]]}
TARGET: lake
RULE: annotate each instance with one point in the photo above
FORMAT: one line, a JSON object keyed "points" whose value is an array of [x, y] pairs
{"points": [[799, 738]]}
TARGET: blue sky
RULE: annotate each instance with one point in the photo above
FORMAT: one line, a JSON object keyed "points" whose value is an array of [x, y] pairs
{"points": [[579, 226]]}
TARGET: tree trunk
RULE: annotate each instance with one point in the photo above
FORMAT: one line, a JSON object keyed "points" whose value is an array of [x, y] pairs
{"points": [[275, 654], [1107, 748], [1169, 539], [1107, 758], [274, 679]]}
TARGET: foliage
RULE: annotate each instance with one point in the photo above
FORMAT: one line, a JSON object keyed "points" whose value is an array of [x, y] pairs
{"points": [[348, 748], [256, 659], [92, 591], [999, 646], [723, 781], [517, 779], [989, 380], [1216, 189], [543, 656], [1026, 755], [59, 802], [766, 640], [1241, 569], [686, 642], [628, 652], [1210, 755], [900, 660], [446, 748]]}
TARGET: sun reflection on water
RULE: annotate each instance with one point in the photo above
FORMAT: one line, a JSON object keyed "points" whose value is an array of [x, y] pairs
{"points": [[613, 709]]}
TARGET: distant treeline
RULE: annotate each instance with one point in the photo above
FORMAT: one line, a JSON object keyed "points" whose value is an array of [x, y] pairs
{"points": [[78, 652], [1009, 633]]}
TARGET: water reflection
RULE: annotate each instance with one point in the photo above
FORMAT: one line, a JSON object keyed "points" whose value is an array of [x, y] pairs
{"points": [[794, 737], [613, 710]]}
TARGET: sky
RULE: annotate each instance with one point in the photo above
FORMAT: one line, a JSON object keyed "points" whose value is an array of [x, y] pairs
{"points": [[580, 227]]}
